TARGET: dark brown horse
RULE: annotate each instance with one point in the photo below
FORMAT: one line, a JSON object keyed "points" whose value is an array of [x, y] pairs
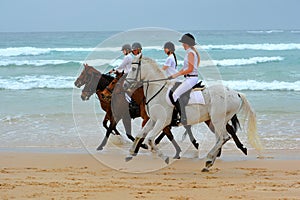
{"points": [[139, 97], [95, 82]]}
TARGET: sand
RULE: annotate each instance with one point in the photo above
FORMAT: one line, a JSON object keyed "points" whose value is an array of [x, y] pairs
{"points": [[81, 176]]}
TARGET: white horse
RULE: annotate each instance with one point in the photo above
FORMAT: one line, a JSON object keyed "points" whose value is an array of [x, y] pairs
{"points": [[221, 105]]}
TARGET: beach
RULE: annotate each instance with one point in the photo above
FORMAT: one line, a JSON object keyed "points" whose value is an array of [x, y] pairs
{"points": [[49, 135], [80, 176]]}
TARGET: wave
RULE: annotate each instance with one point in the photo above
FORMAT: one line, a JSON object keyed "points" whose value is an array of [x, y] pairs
{"points": [[233, 62], [262, 85], [36, 62], [35, 82], [67, 82], [265, 46], [117, 62], [266, 31], [247, 61], [34, 51]]}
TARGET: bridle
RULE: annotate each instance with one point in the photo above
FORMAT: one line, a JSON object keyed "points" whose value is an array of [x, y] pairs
{"points": [[137, 82], [88, 84]]}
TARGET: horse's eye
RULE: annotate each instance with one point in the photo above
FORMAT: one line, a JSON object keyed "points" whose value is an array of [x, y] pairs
{"points": [[133, 69]]}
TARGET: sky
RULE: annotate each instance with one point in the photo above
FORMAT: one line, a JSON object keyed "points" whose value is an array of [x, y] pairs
{"points": [[121, 15]]}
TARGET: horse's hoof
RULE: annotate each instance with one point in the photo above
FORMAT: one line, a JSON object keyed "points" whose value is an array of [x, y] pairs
{"points": [[144, 146], [245, 151], [167, 160], [129, 158], [205, 170], [99, 148], [208, 164], [176, 157], [196, 145]]}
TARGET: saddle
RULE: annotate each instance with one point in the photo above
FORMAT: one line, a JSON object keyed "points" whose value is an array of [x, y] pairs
{"points": [[184, 99]]}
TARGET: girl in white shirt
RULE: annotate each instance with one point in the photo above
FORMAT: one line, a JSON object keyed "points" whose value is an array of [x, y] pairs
{"points": [[125, 66], [189, 71], [171, 62]]}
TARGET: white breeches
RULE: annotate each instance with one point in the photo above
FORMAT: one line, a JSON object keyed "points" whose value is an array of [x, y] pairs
{"points": [[187, 84]]}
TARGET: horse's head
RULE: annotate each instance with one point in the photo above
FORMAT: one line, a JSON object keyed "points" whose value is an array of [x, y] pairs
{"points": [[134, 78], [107, 92], [89, 77], [83, 77]]}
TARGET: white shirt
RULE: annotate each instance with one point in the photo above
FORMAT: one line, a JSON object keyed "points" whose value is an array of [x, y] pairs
{"points": [[186, 62], [125, 65], [171, 64]]}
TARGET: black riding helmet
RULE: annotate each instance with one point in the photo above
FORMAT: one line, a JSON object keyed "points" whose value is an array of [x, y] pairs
{"points": [[188, 39], [170, 46]]}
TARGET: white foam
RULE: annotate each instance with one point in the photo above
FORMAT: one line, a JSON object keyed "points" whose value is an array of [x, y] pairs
{"points": [[247, 61], [36, 62], [265, 46], [33, 51], [232, 62], [41, 81], [262, 85], [266, 31]]}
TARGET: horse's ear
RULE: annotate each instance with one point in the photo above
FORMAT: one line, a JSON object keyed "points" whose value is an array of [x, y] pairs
{"points": [[85, 65]]}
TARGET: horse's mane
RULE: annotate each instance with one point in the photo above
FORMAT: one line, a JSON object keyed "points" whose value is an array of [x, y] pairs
{"points": [[108, 77], [153, 63]]}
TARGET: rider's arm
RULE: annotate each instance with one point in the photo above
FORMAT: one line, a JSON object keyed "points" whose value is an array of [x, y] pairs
{"points": [[189, 69]]}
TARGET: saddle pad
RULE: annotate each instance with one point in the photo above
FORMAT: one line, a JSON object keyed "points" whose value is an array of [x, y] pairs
{"points": [[196, 97]]}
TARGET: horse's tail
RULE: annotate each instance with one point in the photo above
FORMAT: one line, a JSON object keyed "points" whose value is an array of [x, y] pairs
{"points": [[252, 134]]}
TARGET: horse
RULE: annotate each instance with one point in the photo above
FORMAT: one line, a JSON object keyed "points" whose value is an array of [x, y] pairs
{"points": [[115, 91], [222, 105], [95, 82], [138, 96]]}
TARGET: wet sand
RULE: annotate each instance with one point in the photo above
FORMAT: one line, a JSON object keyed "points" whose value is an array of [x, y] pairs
{"points": [[80, 176]]}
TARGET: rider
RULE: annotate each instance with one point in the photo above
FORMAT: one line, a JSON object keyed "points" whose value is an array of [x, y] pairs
{"points": [[171, 62], [136, 49], [189, 71], [125, 66]]}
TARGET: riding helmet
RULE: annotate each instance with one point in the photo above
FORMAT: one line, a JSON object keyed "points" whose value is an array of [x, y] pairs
{"points": [[170, 46], [136, 46], [188, 39], [126, 47]]}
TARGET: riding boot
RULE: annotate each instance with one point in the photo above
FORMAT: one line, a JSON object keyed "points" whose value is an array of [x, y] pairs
{"points": [[183, 119], [183, 102], [177, 106]]}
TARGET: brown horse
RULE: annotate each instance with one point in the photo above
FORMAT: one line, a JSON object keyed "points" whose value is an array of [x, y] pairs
{"points": [[139, 97], [95, 82]]}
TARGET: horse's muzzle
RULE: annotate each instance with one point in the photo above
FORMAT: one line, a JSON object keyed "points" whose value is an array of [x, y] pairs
{"points": [[85, 97]]}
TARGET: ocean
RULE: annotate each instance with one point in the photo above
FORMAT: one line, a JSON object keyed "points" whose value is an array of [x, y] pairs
{"points": [[38, 70]]}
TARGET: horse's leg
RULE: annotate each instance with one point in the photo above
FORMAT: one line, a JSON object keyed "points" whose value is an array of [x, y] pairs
{"points": [[140, 138], [105, 120], [108, 132], [159, 125], [168, 133], [188, 129], [127, 124], [212, 129], [222, 138], [236, 140], [159, 138]]}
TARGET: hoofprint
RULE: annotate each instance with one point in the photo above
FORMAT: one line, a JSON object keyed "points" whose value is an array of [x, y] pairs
{"points": [[221, 105]]}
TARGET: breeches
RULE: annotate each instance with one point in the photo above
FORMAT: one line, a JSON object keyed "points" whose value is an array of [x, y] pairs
{"points": [[187, 84]]}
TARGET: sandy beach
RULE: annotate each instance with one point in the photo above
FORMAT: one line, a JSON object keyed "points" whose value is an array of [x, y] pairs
{"points": [[276, 175]]}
